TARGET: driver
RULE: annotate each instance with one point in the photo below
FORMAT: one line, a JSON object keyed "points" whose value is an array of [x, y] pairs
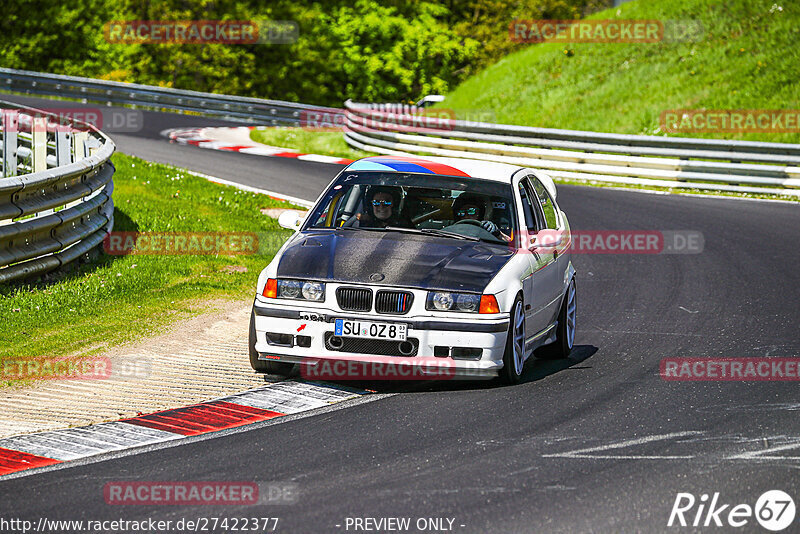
{"points": [[468, 206], [382, 204]]}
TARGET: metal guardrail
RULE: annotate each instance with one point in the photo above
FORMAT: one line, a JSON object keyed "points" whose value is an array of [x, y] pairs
{"points": [[722, 165], [268, 112], [55, 191], [711, 164]]}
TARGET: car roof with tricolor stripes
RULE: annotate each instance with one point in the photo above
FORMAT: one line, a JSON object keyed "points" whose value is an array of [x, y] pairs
{"points": [[488, 170]]}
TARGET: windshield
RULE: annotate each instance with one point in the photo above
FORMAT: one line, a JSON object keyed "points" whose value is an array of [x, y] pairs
{"points": [[455, 207]]}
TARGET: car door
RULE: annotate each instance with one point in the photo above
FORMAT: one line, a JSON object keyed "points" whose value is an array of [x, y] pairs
{"points": [[535, 300], [549, 278]]}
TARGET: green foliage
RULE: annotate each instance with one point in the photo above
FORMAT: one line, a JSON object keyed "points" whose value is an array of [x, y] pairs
{"points": [[487, 21], [367, 50], [52, 36]]}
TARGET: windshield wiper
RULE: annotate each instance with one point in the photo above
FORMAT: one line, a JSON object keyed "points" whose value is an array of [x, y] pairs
{"points": [[423, 231], [359, 228], [433, 231], [444, 233]]}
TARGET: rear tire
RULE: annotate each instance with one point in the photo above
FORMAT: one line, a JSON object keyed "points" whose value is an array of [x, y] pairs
{"points": [[514, 356], [265, 366], [565, 331]]}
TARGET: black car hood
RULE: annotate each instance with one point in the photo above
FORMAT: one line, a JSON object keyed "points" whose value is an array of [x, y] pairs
{"points": [[393, 258]]}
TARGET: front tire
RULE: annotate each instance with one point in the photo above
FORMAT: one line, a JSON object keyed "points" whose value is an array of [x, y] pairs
{"points": [[265, 366], [565, 331], [514, 356]]}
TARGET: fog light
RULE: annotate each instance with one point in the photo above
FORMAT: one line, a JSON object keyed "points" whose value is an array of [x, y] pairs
{"points": [[467, 353], [406, 348], [284, 340]]}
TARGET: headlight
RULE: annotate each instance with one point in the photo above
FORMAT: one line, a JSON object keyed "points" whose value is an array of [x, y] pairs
{"points": [[457, 302], [440, 301], [297, 290], [467, 302], [289, 289], [313, 291]]}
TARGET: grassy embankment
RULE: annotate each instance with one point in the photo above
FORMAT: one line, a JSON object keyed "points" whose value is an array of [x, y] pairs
{"points": [[120, 298]]}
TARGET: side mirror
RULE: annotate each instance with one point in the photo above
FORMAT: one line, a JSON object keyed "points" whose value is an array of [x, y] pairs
{"points": [[290, 220]]}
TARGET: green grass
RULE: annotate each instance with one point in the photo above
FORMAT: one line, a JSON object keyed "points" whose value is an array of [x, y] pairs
{"points": [[118, 299], [325, 142], [747, 58]]}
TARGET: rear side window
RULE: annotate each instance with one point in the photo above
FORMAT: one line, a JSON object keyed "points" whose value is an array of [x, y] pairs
{"points": [[548, 205]]}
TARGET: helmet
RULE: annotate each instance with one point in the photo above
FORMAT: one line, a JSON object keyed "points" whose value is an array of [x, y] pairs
{"points": [[470, 198]]}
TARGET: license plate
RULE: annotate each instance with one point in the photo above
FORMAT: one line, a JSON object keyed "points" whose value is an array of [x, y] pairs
{"points": [[391, 331]]}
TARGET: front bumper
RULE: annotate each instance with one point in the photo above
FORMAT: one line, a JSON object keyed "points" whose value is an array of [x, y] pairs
{"points": [[305, 334]]}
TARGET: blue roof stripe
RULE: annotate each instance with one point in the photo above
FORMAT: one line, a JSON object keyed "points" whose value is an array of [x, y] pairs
{"points": [[404, 166], [390, 165]]}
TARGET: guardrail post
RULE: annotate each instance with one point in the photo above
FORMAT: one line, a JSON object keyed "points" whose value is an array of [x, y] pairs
{"points": [[10, 130], [79, 145], [63, 147], [92, 145], [39, 143]]}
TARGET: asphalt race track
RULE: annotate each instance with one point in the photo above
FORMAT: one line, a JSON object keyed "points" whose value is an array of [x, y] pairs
{"points": [[596, 443]]}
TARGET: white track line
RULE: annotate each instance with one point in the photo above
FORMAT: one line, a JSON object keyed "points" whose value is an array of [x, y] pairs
{"points": [[586, 453]]}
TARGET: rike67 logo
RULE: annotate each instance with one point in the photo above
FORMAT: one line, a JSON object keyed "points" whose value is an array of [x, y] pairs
{"points": [[774, 510]]}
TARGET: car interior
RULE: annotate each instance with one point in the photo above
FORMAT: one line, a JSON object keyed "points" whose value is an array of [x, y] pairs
{"points": [[418, 208]]}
